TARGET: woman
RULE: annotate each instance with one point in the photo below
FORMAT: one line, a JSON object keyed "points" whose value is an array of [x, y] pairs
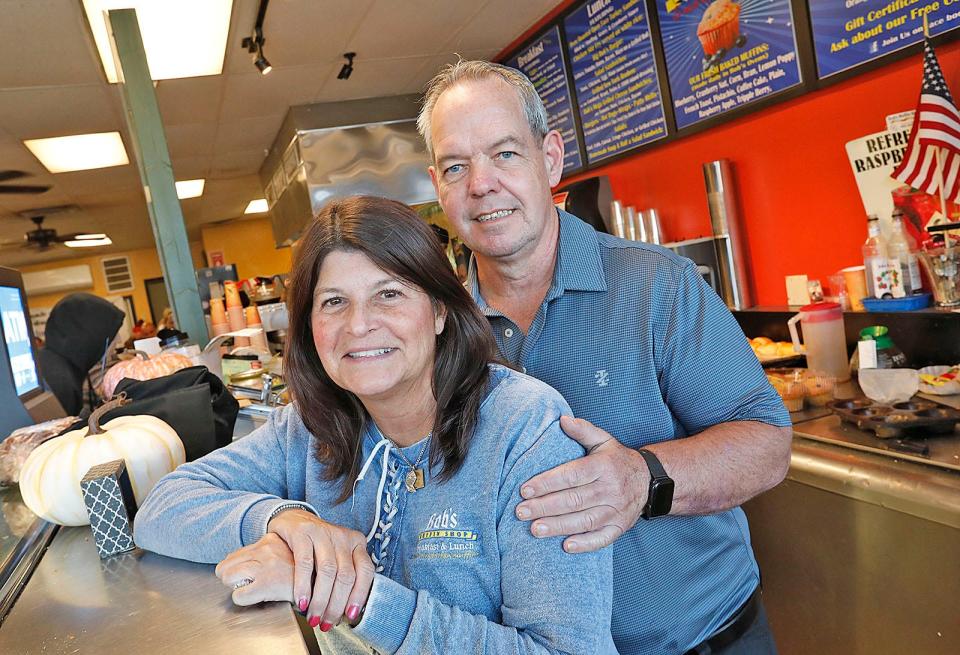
{"points": [[394, 476]]}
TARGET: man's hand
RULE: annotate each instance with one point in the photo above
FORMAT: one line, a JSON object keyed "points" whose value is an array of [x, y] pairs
{"points": [[336, 556], [595, 498]]}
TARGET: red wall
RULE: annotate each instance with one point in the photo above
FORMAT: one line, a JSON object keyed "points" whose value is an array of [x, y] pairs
{"points": [[801, 209]]}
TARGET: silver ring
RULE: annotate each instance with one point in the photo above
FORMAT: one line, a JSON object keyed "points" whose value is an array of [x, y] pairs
{"points": [[243, 583]]}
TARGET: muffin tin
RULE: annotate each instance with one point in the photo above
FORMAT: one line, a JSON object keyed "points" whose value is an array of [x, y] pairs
{"points": [[912, 418]]}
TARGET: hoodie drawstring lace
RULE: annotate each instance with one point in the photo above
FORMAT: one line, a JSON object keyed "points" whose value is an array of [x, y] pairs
{"points": [[386, 445]]}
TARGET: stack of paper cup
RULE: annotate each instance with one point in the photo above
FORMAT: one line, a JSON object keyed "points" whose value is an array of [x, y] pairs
{"points": [[218, 317], [235, 312], [258, 340]]}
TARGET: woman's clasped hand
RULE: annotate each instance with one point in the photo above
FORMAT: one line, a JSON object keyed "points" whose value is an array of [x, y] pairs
{"points": [[321, 568]]}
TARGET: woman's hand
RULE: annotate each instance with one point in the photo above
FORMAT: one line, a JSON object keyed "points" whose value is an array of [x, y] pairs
{"points": [[268, 563], [344, 572]]}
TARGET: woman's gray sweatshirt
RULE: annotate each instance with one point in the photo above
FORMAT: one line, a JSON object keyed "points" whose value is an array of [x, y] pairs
{"points": [[457, 572]]}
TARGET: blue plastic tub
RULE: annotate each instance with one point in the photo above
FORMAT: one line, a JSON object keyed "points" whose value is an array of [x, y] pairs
{"points": [[906, 304]]}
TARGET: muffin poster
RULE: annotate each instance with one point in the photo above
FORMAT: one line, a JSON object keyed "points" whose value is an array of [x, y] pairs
{"points": [[847, 34], [542, 62], [724, 54], [614, 76]]}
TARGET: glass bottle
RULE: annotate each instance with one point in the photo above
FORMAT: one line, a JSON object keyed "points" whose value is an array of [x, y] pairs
{"points": [[904, 248], [874, 253]]}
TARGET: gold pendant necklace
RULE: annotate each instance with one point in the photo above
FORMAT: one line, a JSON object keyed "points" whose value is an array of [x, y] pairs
{"points": [[414, 479]]}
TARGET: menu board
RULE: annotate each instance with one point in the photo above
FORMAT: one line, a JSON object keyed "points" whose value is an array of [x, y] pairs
{"points": [[722, 55], [542, 62], [614, 76], [847, 34]]}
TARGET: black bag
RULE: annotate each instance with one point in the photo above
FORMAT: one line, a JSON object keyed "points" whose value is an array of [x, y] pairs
{"points": [[193, 401]]}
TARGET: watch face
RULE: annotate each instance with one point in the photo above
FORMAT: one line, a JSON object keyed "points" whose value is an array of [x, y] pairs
{"points": [[661, 497]]}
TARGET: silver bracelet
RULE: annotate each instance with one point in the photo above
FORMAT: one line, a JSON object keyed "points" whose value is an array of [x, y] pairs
{"points": [[285, 506]]}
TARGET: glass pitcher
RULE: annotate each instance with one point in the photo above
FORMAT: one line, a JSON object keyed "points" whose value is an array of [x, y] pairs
{"points": [[823, 337]]}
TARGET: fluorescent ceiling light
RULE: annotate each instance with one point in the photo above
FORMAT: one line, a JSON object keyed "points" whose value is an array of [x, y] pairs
{"points": [[80, 152], [256, 206], [189, 189], [88, 243], [83, 237], [182, 38]]}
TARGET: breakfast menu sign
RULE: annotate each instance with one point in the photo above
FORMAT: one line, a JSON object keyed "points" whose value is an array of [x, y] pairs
{"points": [[542, 62], [614, 76], [722, 54], [849, 33]]}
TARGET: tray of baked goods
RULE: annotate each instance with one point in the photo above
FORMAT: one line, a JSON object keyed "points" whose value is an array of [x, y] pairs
{"points": [[799, 387], [775, 353], [912, 418]]}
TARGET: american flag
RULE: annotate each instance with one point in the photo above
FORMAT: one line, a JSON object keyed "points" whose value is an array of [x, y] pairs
{"points": [[936, 126]]}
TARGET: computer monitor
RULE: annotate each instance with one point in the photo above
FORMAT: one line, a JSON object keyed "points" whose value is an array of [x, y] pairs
{"points": [[22, 397]]}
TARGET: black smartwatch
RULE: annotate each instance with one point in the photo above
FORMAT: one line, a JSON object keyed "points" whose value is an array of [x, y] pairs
{"points": [[660, 492]]}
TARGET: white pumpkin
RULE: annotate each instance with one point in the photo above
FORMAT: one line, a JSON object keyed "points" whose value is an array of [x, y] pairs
{"points": [[50, 478]]}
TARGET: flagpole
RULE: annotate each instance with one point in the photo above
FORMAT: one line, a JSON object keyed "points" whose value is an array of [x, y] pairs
{"points": [[936, 152]]}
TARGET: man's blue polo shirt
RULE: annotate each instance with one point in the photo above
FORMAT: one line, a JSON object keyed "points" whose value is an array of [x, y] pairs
{"points": [[640, 346]]}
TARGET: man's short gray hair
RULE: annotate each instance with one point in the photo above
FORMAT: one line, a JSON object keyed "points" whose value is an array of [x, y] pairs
{"points": [[475, 71]]}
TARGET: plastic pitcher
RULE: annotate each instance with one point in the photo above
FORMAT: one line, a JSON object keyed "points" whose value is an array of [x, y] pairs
{"points": [[823, 337]]}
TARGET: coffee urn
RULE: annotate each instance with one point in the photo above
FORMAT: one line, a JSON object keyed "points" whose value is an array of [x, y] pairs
{"points": [[730, 239]]}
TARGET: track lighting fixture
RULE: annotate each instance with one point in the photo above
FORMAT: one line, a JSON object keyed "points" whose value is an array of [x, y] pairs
{"points": [[254, 44], [347, 67]]}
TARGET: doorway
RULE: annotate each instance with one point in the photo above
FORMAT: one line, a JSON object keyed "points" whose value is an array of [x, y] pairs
{"points": [[157, 297]]}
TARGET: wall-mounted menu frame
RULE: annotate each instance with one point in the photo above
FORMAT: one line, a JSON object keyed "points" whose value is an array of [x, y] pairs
{"points": [[615, 77], [543, 62], [810, 81], [723, 55], [848, 34]]}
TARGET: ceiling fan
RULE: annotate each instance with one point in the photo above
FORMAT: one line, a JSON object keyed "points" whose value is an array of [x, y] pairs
{"points": [[43, 238], [19, 188]]}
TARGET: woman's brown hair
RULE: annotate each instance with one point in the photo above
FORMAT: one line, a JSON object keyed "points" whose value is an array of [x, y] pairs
{"points": [[402, 244]]}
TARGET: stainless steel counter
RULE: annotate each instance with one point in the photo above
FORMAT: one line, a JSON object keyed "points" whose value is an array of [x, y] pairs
{"points": [[859, 547], [137, 602]]}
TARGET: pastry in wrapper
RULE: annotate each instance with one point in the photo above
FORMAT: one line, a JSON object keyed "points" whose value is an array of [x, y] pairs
{"points": [[15, 449], [719, 27]]}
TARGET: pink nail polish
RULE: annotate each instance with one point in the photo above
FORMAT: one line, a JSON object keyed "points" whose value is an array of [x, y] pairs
{"points": [[314, 621], [303, 604], [353, 612], [325, 627]]}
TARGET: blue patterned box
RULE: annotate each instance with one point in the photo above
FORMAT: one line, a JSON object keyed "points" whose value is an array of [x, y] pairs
{"points": [[111, 505]]}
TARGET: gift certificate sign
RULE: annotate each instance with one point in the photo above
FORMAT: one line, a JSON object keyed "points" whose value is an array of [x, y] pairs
{"points": [[849, 33], [723, 54], [614, 77], [542, 62]]}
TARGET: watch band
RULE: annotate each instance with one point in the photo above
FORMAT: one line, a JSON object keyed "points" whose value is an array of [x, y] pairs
{"points": [[660, 491], [653, 463]]}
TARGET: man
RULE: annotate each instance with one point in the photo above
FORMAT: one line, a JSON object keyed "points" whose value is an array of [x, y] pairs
{"points": [[646, 355]]}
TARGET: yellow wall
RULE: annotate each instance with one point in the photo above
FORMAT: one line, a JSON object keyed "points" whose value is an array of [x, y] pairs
{"points": [[249, 244], [144, 265]]}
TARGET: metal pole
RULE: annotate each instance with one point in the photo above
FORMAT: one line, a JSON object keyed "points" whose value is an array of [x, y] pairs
{"points": [[153, 160]]}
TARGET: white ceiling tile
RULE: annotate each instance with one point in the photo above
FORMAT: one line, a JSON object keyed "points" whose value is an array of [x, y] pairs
{"points": [[58, 111], [190, 100], [251, 95], [426, 24], [297, 32], [191, 140], [489, 29], [246, 162], [247, 134], [46, 43], [373, 79]]}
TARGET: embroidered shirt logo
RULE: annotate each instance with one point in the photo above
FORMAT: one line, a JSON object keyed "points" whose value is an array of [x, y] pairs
{"points": [[446, 538], [602, 377]]}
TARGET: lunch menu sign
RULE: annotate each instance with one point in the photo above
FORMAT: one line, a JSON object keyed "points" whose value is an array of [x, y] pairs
{"points": [[617, 75]]}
